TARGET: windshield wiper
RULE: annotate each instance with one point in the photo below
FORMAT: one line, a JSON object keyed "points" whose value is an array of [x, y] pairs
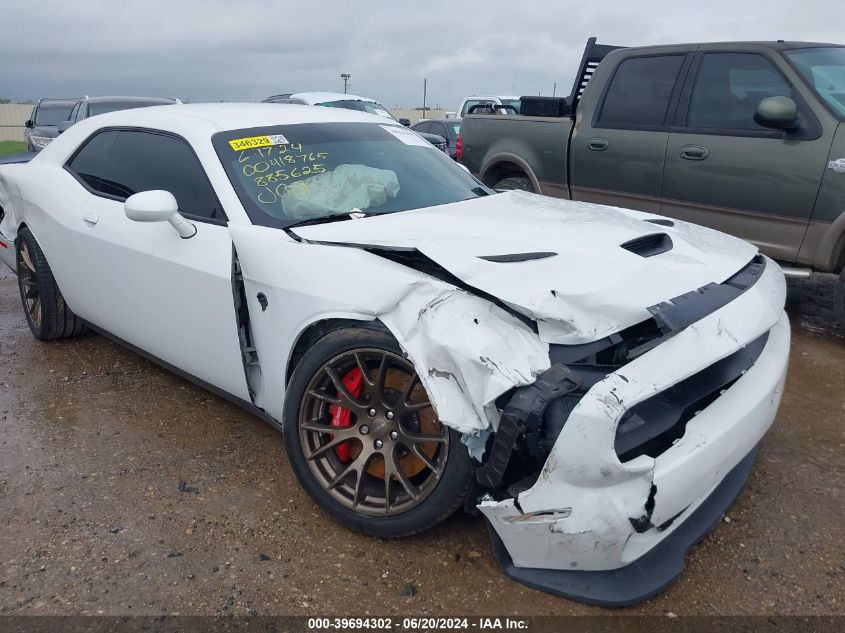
{"points": [[335, 217], [480, 191]]}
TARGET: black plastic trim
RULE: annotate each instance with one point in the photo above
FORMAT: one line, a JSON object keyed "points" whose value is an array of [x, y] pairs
{"points": [[511, 258], [649, 574], [651, 426]]}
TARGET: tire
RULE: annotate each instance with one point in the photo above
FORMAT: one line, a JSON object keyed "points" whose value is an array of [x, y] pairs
{"points": [[46, 312], [839, 301], [519, 183], [366, 499]]}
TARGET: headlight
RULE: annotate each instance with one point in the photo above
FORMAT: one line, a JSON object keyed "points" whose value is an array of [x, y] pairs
{"points": [[40, 141]]}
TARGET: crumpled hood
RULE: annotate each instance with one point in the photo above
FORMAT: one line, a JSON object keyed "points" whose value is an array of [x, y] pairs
{"points": [[590, 288]]}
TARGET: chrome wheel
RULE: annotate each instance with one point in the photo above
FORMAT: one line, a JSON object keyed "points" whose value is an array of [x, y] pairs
{"points": [[28, 280], [369, 433]]}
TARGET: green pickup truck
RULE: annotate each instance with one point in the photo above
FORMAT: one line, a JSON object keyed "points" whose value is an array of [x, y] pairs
{"points": [[744, 137]]}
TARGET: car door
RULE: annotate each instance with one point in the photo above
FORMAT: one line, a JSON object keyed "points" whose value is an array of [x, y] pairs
{"points": [[725, 171], [170, 297], [619, 140]]}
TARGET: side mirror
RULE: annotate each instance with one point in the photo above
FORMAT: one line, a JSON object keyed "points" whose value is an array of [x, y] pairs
{"points": [[63, 126], [28, 123], [405, 122], [158, 206], [779, 113]]}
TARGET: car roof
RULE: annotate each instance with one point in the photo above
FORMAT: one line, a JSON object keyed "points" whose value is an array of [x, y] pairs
{"points": [[313, 98], [112, 99], [215, 117], [60, 101], [491, 97]]}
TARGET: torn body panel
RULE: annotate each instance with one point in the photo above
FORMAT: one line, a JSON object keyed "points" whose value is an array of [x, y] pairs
{"points": [[467, 351]]}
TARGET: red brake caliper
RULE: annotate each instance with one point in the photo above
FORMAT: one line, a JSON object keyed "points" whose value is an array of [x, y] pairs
{"points": [[340, 416]]}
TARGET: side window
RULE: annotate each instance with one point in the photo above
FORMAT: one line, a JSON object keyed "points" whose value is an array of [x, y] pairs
{"points": [[473, 102], [640, 92], [89, 161], [728, 89], [143, 161], [74, 112]]}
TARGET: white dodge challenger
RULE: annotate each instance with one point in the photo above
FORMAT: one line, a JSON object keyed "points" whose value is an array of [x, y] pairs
{"points": [[593, 380]]}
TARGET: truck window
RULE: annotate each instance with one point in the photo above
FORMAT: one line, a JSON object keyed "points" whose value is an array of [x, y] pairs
{"points": [[728, 89], [472, 102], [640, 91]]}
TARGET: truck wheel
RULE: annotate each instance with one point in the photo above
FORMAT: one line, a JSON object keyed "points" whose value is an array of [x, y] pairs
{"points": [[47, 314], [364, 440], [519, 183], [839, 301]]}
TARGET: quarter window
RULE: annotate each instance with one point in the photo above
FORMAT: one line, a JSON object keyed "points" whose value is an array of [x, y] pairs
{"points": [[728, 89], [143, 161], [88, 162], [640, 92]]}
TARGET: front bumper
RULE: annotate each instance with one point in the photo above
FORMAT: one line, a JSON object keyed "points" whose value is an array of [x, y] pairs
{"points": [[649, 574], [589, 515]]}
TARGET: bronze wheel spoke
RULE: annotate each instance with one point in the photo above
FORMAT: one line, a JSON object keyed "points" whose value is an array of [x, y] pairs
{"points": [[27, 260], [317, 426], [415, 406], [347, 400], [358, 494], [325, 397], [423, 439], [415, 448], [406, 394], [381, 377], [342, 475], [325, 448], [363, 369]]}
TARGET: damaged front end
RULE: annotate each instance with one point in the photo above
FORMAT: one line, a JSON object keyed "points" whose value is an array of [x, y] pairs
{"points": [[610, 436], [627, 450]]}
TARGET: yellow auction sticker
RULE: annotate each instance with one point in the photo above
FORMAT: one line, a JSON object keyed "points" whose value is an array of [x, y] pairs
{"points": [[239, 144]]}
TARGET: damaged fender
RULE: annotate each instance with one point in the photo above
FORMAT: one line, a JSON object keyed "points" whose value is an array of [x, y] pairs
{"points": [[466, 350]]}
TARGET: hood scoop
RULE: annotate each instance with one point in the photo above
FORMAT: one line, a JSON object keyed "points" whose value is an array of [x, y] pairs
{"points": [[649, 245], [511, 258]]}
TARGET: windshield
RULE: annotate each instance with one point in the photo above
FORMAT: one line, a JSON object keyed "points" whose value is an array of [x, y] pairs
{"points": [[370, 107], [823, 69], [52, 113], [95, 108], [290, 173]]}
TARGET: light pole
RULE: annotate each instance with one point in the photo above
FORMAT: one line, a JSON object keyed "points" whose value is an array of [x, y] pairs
{"points": [[345, 77]]}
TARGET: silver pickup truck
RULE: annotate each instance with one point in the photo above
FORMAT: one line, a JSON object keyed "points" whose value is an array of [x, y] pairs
{"points": [[747, 138]]}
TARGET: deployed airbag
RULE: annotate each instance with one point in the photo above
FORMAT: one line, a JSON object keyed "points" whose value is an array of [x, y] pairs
{"points": [[346, 188]]}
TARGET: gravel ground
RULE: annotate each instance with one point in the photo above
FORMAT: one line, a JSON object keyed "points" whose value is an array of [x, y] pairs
{"points": [[94, 441]]}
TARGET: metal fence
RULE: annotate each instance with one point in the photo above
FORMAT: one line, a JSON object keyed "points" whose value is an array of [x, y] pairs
{"points": [[12, 119]]}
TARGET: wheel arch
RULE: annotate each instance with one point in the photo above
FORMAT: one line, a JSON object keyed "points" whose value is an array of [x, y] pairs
{"points": [[507, 165], [830, 256], [317, 330]]}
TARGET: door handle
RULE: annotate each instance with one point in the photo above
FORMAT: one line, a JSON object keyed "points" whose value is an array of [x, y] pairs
{"points": [[598, 144], [694, 152], [90, 218]]}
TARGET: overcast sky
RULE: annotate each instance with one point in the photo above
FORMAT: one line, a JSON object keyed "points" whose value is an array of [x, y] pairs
{"points": [[248, 49]]}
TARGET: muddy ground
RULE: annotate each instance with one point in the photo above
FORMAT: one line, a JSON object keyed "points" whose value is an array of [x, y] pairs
{"points": [[94, 441]]}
